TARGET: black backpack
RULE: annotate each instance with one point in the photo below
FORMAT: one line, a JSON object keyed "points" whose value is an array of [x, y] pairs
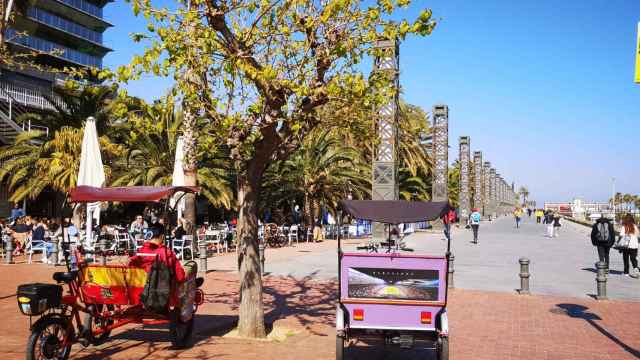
{"points": [[157, 290], [602, 232]]}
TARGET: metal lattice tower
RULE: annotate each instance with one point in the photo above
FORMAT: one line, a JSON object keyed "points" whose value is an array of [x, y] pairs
{"points": [[465, 193], [477, 171], [492, 190], [486, 188], [439, 188], [385, 162]]}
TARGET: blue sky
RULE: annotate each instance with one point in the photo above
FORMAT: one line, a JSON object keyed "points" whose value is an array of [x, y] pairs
{"points": [[545, 89]]}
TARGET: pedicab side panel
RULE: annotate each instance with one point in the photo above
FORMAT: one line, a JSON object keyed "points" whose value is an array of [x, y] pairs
{"points": [[393, 291], [112, 284]]}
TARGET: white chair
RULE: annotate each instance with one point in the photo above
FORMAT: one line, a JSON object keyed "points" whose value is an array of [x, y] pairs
{"points": [[122, 240], [182, 246], [34, 246], [214, 237], [293, 234]]}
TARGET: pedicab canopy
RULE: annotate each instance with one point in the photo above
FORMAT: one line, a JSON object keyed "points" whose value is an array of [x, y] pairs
{"points": [[127, 193], [395, 211]]}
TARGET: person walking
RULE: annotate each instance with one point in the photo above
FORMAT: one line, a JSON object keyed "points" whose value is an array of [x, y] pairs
{"points": [[603, 237], [630, 252], [474, 221], [517, 214], [556, 225], [447, 220], [539, 215]]}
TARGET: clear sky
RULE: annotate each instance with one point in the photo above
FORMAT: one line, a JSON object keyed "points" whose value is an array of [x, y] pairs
{"points": [[545, 89]]}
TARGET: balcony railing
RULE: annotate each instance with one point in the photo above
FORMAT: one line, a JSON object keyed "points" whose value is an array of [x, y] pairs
{"points": [[29, 97], [58, 50], [85, 6], [65, 25]]}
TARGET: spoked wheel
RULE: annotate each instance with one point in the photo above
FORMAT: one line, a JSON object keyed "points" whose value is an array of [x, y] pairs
{"points": [[179, 331], [94, 321], [340, 347], [442, 348], [50, 339]]}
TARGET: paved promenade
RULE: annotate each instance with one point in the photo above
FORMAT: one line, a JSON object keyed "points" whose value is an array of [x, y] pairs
{"points": [[488, 320], [561, 266]]}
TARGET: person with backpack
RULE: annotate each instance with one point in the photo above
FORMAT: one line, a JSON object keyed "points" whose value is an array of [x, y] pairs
{"points": [[603, 237], [474, 221], [556, 225], [163, 269], [629, 237]]}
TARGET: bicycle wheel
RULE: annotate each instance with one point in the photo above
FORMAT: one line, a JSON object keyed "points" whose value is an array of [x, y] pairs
{"points": [[50, 339], [93, 321]]}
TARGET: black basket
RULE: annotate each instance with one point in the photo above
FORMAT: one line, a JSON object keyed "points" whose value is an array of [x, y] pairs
{"points": [[34, 299]]}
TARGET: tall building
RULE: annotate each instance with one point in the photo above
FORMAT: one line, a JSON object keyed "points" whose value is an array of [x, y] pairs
{"points": [[68, 33]]}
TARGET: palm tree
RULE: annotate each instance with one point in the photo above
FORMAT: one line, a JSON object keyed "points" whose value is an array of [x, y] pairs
{"points": [[151, 136], [454, 184], [29, 168], [525, 194], [627, 199], [322, 172], [413, 188], [74, 105]]}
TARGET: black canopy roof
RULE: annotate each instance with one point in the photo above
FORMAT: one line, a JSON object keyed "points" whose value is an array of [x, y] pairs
{"points": [[395, 211]]}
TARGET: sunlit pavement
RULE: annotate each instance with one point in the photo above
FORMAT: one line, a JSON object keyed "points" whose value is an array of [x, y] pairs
{"points": [[484, 324]]}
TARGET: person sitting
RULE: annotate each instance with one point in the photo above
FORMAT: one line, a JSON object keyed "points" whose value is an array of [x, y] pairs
{"points": [[138, 227], [155, 247], [180, 231], [38, 235], [19, 232]]}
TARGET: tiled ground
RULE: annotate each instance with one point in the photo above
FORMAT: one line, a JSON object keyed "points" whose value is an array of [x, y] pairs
{"points": [[484, 325]]}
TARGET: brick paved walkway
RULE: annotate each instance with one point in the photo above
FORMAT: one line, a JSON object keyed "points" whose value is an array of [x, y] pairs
{"points": [[485, 325]]}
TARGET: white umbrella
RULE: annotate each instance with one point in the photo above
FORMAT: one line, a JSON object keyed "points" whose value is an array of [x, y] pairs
{"points": [[178, 176], [91, 170]]}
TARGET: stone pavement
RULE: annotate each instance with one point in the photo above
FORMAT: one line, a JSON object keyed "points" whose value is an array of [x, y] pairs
{"points": [[485, 325], [561, 266]]}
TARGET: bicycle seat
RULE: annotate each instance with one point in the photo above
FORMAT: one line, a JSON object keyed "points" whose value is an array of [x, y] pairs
{"points": [[65, 277]]}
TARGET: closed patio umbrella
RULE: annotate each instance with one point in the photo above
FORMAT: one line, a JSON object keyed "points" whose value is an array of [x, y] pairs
{"points": [[178, 177], [91, 171]]}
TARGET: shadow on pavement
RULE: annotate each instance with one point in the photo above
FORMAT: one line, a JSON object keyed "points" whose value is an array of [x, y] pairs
{"points": [[378, 351], [614, 272], [580, 312], [153, 340]]}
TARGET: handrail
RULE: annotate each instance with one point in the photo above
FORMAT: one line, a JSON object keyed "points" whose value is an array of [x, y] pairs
{"points": [[9, 121], [28, 97]]}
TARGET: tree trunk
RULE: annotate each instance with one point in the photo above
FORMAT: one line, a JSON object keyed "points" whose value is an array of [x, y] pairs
{"points": [[190, 166], [251, 321], [308, 212]]}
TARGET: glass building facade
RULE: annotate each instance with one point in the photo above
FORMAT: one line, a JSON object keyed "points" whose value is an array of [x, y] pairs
{"points": [[68, 32]]}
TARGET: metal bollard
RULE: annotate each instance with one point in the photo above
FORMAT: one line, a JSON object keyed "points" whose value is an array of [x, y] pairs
{"points": [[450, 271], [8, 249], [601, 280], [261, 255], [524, 276], [202, 249], [103, 248], [54, 251]]}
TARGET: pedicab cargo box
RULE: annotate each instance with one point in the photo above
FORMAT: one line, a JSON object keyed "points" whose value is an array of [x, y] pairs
{"points": [[112, 284]]}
